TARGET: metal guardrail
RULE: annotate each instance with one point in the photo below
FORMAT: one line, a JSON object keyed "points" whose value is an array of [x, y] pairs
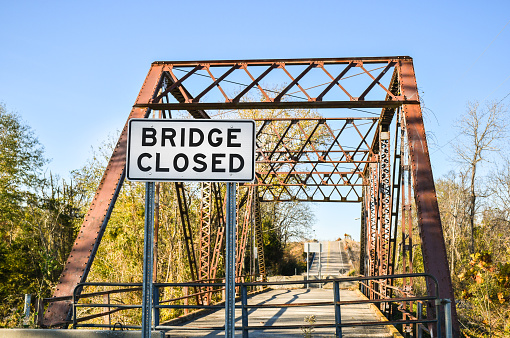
{"points": [[417, 320]]}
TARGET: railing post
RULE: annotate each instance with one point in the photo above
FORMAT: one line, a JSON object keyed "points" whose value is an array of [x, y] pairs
{"points": [[209, 294], [155, 301], [186, 293], [448, 318], [419, 331], [223, 292], [307, 268], [26, 309], [106, 299], [244, 309], [338, 315], [39, 309], [438, 316], [75, 322], [148, 260]]}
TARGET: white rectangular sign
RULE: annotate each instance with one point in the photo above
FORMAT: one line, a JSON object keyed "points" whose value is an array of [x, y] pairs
{"points": [[313, 247], [191, 150]]}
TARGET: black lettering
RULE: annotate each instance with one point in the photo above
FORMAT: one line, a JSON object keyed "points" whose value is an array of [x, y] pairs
{"points": [[218, 140], [183, 137], [215, 161], [231, 137], [198, 159], [231, 164], [151, 136], [158, 164], [167, 134], [193, 131], [176, 165], [139, 162]]}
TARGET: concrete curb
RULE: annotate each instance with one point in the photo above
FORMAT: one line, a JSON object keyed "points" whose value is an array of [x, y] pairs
{"points": [[68, 333], [391, 329]]}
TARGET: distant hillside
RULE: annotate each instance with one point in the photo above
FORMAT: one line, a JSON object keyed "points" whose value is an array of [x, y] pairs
{"points": [[352, 249]]}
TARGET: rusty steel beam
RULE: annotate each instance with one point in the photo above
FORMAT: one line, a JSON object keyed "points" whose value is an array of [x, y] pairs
{"points": [[243, 230], [312, 199], [373, 219], [259, 237], [186, 229], [276, 99], [269, 62], [86, 244], [431, 232], [219, 224], [395, 188], [376, 81], [386, 117], [363, 237], [384, 202], [276, 105], [232, 65], [206, 218], [180, 94]]}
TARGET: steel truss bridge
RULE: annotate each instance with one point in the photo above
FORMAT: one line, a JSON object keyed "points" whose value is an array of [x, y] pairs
{"points": [[328, 130]]}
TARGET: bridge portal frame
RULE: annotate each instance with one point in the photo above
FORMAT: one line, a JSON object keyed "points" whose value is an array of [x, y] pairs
{"points": [[161, 86]]}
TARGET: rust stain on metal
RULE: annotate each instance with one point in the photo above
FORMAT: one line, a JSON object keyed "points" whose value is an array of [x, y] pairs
{"points": [[431, 231]]}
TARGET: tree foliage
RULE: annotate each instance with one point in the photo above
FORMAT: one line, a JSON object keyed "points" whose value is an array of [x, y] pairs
{"points": [[475, 213], [21, 161], [39, 216]]}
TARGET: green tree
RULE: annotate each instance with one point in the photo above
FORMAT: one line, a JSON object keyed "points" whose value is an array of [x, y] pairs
{"points": [[481, 130], [39, 217], [21, 161]]}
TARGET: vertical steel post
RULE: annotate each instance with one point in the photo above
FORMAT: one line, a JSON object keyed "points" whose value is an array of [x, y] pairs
{"points": [[307, 265], [448, 318], [155, 302], [244, 302], [75, 321], [319, 269], [230, 261], [320, 263], [338, 315], [156, 232], [26, 309], [438, 317], [419, 331], [148, 260]]}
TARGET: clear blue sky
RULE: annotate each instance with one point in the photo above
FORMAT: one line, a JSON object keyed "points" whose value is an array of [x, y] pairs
{"points": [[73, 69]]}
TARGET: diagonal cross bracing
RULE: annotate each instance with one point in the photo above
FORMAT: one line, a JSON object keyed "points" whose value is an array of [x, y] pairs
{"points": [[313, 159], [313, 91]]}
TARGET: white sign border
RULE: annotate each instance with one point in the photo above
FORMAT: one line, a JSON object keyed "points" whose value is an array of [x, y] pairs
{"points": [[252, 122]]}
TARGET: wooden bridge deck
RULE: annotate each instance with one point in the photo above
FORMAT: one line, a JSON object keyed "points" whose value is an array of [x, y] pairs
{"points": [[291, 316]]}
